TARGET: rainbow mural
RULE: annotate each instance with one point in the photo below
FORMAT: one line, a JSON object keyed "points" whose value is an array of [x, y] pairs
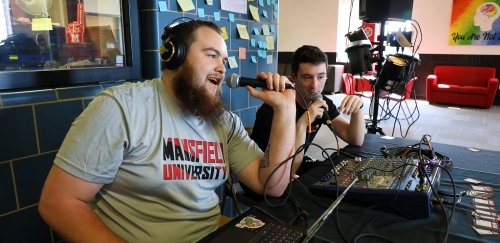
{"points": [[475, 22]]}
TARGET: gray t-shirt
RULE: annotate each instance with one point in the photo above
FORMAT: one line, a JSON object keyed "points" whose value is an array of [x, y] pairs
{"points": [[160, 166]]}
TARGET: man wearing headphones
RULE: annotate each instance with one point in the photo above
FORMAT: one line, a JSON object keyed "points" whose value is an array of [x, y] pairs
{"points": [[143, 160], [309, 73]]}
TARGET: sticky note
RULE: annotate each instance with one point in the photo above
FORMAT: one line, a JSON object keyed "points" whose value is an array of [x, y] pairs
{"points": [[210, 2], [232, 62], [273, 29], [254, 59], [201, 12], [186, 5], [252, 42], [217, 16], [41, 24], [231, 17], [264, 13], [242, 53], [255, 12], [261, 3], [270, 42], [265, 29], [224, 32], [162, 5], [256, 31], [269, 59], [242, 31]]}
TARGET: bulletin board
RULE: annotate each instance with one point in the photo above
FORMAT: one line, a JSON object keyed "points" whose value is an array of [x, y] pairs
{"points": [[251, 27]]}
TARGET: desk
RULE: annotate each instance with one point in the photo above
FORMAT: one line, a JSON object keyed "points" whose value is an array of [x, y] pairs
{"points": [[355, 220]]}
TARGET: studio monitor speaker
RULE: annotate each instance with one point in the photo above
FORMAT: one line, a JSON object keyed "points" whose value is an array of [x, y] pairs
{"points": [[382, 10]]}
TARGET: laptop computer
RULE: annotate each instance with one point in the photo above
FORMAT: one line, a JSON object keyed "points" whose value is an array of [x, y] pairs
{"points": [[255, 225]]}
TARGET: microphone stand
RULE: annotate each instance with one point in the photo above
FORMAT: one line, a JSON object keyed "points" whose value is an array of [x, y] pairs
{"points": [[373, 128]]}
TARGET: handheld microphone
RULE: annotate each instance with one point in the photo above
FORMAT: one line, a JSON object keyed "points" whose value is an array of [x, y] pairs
{"points": [[325, 118], [235, 81]]}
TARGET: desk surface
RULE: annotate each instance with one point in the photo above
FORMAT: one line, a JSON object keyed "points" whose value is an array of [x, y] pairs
{"points": [[357, 220]]}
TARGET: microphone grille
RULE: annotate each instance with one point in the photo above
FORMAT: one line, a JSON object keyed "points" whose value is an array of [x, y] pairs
{"points": [[317, 97], [233, 80]]}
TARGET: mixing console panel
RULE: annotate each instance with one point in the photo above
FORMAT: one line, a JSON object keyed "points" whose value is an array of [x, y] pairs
{"points": [[391, 183]]}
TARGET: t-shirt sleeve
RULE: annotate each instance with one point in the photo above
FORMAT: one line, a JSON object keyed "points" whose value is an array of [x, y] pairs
{"points": [[332, 109], [241, 148], [94, 145]]}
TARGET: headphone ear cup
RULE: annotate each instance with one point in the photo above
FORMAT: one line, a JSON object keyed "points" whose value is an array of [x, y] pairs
{"points": [[173, 53]]}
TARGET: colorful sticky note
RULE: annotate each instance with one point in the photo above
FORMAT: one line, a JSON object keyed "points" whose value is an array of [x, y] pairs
{"points": [[264, 13], [261, 3], [269, 59], [242, 31], [275, 14], [252, 42], [268, 2], [201, 12], [270, 42], [273, 29], [217, 16], [256, 31], [224, 32], [231, 17], [242, 53], [186, 5], [39, 24], [265, 29], [255, 12], [162, 5], [254, 59], [210, 2], [232, 62]]}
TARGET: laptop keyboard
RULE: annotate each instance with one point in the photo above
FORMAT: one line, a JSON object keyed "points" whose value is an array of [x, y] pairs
{"points": [[277, 233]]}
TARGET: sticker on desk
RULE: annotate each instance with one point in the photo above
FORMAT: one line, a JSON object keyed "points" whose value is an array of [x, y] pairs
{"points": [[470, 180], [485, 224], [485, 208], [250, 222], [482, 188], [484, 231], [473, 149], [479, 201], [485, 217], [479, 194]]}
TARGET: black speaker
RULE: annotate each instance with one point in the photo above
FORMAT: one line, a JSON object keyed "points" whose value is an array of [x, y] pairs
{"points": [[382, 10]]}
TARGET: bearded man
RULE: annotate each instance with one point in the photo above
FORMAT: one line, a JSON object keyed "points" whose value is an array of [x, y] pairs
{"points": [[143, 160]]}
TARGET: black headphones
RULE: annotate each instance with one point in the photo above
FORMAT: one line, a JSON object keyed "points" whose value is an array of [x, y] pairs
{"points": [[173, 50]]}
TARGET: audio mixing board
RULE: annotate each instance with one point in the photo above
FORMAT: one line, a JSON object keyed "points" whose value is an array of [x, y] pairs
{"points": [[390, 183]]}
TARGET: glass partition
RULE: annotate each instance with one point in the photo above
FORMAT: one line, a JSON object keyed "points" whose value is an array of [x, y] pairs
{"points": [[50, 43]]}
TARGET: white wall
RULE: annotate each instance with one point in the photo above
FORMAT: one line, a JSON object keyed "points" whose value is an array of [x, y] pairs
{"points": [[315, 22], [307, 22]]}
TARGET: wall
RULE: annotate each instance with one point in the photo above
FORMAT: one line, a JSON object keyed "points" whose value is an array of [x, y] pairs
{"points": [[34, 123], [433, 17]]}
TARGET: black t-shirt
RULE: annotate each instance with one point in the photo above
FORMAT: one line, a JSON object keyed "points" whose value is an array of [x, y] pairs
{"points": [[262, 126]]}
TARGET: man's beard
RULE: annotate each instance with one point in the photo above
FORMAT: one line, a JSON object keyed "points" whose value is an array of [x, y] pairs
{"points": [[195, 98]]}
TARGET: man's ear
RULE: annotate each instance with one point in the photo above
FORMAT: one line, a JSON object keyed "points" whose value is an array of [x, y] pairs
{"points": [[293, 77]]}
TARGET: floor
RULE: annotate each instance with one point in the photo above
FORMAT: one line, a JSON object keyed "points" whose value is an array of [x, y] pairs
{"points": [[463, 126]]}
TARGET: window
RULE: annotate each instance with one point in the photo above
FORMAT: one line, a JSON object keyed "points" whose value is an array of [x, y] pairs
{"points": [[56, 43]]}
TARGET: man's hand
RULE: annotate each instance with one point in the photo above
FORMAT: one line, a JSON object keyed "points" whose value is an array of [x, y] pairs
{"points": [[316, 111], [275, 94], [350, 104]]}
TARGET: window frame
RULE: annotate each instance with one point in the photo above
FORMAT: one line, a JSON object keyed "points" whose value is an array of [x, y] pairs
{"points": [[41, 79]]}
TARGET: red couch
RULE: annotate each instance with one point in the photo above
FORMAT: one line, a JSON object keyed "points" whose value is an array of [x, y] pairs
{"points": [[462, 85]]}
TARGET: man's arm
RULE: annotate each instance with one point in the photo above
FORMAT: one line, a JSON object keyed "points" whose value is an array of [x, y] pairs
{"points": [[64, 206], [353, 131], [281, 140], [316, 110]]}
